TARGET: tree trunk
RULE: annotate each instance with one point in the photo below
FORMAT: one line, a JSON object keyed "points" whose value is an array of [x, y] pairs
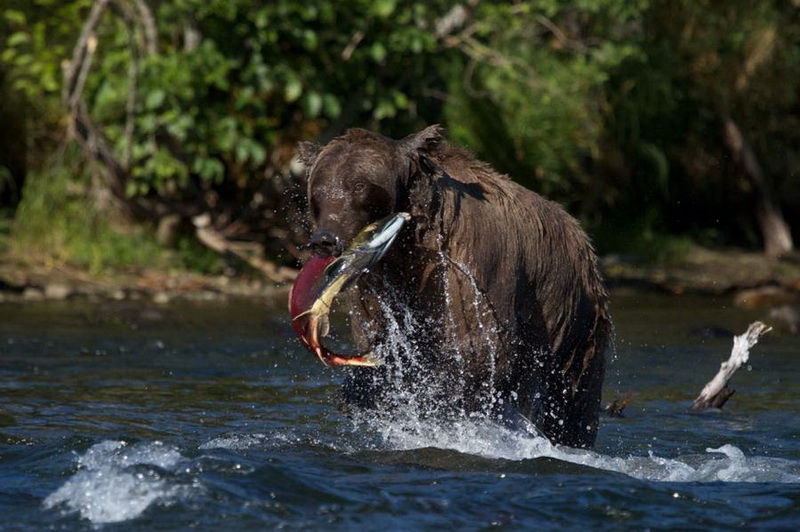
{"points": [[774, 229]]}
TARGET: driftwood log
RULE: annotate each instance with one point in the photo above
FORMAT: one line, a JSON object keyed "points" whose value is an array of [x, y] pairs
{"points": [[717, 392]]}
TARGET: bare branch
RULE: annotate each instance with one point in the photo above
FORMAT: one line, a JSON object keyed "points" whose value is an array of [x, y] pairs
{"points": [[148, 22], [76, 72], [130, 105], [454, 19], [716, 392], [355, 39], [73, 68], [246, 251], [560, 36]]}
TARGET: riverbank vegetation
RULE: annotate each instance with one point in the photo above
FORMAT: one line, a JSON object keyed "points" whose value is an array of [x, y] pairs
{"points": [[161, 134]]}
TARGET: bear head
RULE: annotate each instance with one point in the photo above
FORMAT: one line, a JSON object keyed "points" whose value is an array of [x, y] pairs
{"points": [[359, 178]]}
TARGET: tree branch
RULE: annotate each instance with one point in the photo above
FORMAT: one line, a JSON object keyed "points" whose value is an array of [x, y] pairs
{"points": [[148, 23], [716, 392], [245, 251], [76, 71], [72, 71]]}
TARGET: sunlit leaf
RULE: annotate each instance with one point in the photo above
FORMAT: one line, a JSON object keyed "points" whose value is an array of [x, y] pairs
{"points": [[378, 51], [155, 98], [383, 8], [331, 106], [312, 102], [293, 89]]}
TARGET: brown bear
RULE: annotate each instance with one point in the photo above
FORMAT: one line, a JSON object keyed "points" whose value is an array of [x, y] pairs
{"points": [[488, 303]]}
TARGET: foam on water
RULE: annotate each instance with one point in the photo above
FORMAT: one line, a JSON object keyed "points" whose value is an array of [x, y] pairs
{"points": [[117, 482], [247, 441], [490, 440]]}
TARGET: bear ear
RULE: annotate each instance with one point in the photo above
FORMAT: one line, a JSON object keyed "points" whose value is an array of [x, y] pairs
{"points": [[423, 141], [307, 153]]}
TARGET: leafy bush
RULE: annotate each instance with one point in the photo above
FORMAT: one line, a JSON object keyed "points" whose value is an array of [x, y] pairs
{"points": [[59, 222]]}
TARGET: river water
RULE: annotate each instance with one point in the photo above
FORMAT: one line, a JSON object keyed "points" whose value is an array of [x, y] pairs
{"points": [[140, 417]]}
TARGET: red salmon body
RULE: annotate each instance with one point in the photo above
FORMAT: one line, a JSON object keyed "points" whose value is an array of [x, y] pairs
{"points": [[302, 296], [304, 292]]}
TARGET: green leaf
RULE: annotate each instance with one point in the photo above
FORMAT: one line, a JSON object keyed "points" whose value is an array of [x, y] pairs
{"points": [[17, 38], [258, 154], [378, 52], [310, 40], [15, 17], [131, 188], [8, 55], [331, 106], [209, 168], [401, 100], [155, 98], [312, 103], [384, 109], [226, 133], [293, 89], [383, 8]]}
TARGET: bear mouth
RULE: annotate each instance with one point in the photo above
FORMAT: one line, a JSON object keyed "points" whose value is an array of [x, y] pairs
{"points": [[322, 278]]}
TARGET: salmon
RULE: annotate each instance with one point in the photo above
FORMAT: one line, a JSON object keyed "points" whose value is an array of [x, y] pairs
{"points": [[323, 278]]}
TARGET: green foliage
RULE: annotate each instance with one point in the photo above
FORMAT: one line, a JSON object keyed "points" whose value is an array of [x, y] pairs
{"points": [[58, 222], [611, 107], [616, 109], [643, 238], [259, 75], [5, 231], [231, 80], [703, 63], [531, 98], [36, 36]]}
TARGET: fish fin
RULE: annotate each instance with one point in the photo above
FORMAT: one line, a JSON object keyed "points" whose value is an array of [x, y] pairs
{"points": [[331, 359], [306, 313], [371, 359], [324, 326]]}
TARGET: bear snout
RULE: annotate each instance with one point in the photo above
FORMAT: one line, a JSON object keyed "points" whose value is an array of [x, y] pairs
{"points": [[325, 244]]}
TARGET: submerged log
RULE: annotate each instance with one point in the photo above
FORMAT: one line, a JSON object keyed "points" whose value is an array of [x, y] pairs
{"points": [[717, 392]]}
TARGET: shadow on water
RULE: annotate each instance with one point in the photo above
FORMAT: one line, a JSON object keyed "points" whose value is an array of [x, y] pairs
{"points": [[207, 415], [448, 460]]}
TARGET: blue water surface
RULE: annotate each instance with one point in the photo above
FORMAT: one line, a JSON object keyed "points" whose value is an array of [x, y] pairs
{"points": [[128, 415]]}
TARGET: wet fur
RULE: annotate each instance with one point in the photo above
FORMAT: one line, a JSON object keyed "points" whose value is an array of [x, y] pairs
{"points": [[517, 275]]}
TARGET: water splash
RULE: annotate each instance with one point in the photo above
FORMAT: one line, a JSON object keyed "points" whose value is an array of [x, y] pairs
{"points": [[413, 423], [116, 482], [239, 441], [407, 369], [488, 439]]}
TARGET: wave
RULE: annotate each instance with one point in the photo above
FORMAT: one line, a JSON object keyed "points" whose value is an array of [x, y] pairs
{"points": [[488, 439], [117, 482]]}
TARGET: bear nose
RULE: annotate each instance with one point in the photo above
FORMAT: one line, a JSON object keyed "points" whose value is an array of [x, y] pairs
{"points": [[325, 243]]}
